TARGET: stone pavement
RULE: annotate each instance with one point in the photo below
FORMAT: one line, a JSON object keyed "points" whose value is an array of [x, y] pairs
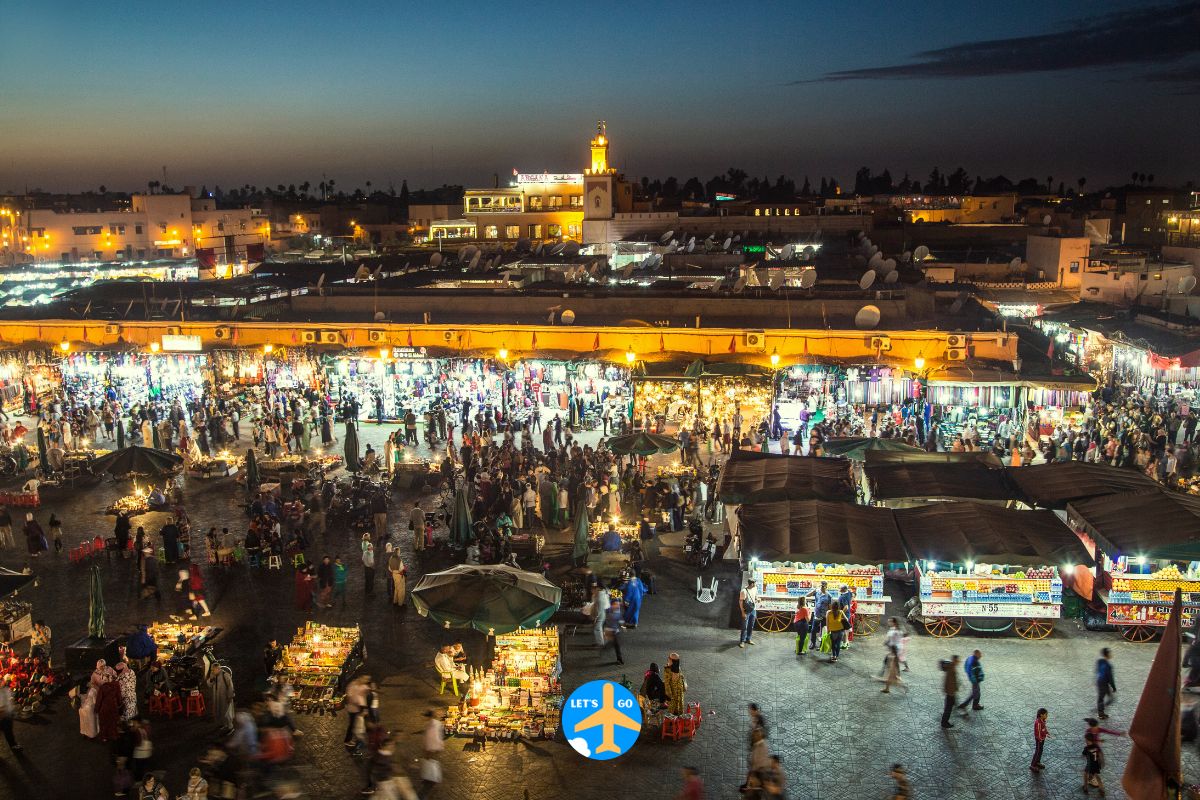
{"points": [[836, 733]]}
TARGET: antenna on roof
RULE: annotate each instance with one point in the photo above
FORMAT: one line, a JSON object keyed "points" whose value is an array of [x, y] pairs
{"points": [[1015, 264], [1187, 283], [1046, 220], [867, 318], [666, 237], [867, 279]]}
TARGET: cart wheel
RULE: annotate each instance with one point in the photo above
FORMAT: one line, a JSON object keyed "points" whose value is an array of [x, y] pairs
{"points": [[1139, 633], [865, 625], [774, 621], [943, 627], [1033, 628]]}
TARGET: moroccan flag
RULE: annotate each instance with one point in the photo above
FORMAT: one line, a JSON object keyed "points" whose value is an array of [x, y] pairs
{"points": [[533, 346], [1050, 350], [596, 342], [410, 344], [733, 344], [805, 345], [1154, 762]]}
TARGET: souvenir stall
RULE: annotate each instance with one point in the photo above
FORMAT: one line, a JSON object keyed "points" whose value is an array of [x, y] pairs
{"points": [[408, 379], [1146, 541], [180, 651], [791, 547], [16, 615], [662, 403], [558, 385], [29, 678], [285, 368], [216, 465], [627, 529], [519, 696], [13, 374], [723, 396], [134, 377], [817, 392], [318, 663], [988, 568]]}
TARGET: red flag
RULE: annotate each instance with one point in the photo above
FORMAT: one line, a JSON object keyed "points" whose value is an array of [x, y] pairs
{"points": [[1154, 760], [733, 344], [662, 345], [295, 337], [1050, 350], [410, 344], [596, 342], [534, 345]]}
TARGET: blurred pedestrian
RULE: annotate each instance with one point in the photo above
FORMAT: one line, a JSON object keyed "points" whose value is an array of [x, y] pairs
{"points": [[1106, 683], [949, 688], [973, 667]]}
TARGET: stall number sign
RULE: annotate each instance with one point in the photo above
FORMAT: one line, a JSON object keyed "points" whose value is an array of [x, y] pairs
{"points": [[602, 720], [1026, 610], [181, 344], [1157, 616]]}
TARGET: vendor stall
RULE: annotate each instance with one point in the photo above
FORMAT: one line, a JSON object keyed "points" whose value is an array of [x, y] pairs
{"points": [[16, 615], [318, 663], [134, 377], [181, 648], [988, 568], [790, 548], [219, 465], [905, 484], [29, 678], [729, 389], [663, 398], [519, 696], [1056, 484]]}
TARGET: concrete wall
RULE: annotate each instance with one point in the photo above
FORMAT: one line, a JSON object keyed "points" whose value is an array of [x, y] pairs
{"points": [[1122, 287], [1191, 255], [1062, 259]]}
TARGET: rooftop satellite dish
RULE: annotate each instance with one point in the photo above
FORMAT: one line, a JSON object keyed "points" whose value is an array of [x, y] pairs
{"points": [[921, 253], [809, 251], [906, 256], [728, 242], [462, 253], [671, 247], [522, 245], [874, 250], [860, 261], [691, 245], [1187, 283], [666, 237], [435, 260], [1046, 220], [1015, 264], [860, 236], [788, 251], [691, 240], [808, 279], [572, 249], [568, 317], [889, 265], [474, 264], [866, 242], [958, 303], [891, 277], [557, 249], [710, 239], [775, 279], [740, 283], [737, 237], [380, 316], [320, 282], [867, 279], [867, 318], [537, 251], [875, 261]]}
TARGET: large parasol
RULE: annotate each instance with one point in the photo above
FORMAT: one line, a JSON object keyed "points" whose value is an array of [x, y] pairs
{"points": [[95, 605], [490, 598], [642, 444], [43, 458], [252, 477], [137, 460], [120, 434]]}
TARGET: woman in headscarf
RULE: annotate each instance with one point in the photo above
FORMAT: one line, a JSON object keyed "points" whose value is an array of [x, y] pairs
{"points": [[35, 537], [127, 680], [108, 707], [89, 722], [632, 592], [675, 685]]}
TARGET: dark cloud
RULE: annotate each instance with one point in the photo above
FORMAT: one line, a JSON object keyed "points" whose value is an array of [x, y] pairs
{"points": [[1185, 78], [1160, 34]]}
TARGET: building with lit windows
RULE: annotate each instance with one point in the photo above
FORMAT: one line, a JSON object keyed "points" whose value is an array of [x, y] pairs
{"points": [[153, 226]]}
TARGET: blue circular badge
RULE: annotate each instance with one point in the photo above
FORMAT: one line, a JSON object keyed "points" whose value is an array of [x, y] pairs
{"points": [[602, 720]]}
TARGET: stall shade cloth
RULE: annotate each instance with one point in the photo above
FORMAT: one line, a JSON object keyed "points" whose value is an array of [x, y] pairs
{"points": [[969, 481], [43, 458], [1152, 523], [921, 457], [137, 460], [461, 532], [490, 598], [986, 534], [820, 531], [752, 477], [11, 584], [120, 434], [352, 462], [582, 530], [855, 448], [1055, 485], [642, 444]]}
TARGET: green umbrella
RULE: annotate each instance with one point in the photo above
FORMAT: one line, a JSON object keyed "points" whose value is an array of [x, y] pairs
{"points": [[461, 532], [642, 444], [583, 530], [120, 434], [352, 462], [490, 598], [252, 478], [855, 447], [43, 459], [137, 460], [96, 606]]}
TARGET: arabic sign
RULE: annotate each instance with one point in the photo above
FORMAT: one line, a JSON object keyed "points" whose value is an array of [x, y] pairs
{"points": [[549, 177]]}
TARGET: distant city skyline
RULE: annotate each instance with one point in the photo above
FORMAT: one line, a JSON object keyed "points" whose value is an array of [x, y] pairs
{"points": [[227, 95]]}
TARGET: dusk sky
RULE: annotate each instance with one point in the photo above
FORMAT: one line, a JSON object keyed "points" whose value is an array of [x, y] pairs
{"points": [[265, 93]]}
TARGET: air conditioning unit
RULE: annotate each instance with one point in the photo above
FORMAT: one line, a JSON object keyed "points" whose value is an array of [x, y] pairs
{"points": [[223, 332], [956, 353], [755, 341], [310, 337], [376, 337], [881, 343], [331, 337], [174, 330], [448, 336], [112, 330], [956, 340]]}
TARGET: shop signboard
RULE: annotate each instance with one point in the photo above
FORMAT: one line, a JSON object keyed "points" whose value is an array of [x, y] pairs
{"points": [[174, 343], [409, 353], [1019, 610], [1153, 615], [549, 177]]}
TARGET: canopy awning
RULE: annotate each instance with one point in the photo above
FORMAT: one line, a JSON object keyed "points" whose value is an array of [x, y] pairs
{"points": [[1056, 484], [1152, 523], [962, 532], [820, 531], [933, 480], [920, 456], [856, 448], [752, 477]]}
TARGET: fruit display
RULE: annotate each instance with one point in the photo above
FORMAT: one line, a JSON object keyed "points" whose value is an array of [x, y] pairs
{"points": [[317, 663], [782, 583], [1157, 588], [1031, 586]]}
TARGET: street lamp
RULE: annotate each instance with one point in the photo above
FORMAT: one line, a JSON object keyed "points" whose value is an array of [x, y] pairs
{"points": [[502, 353], [919, 362], [383, 353], [64, 345], [155, 347], [268, 348], [630, 356], [774, 359]]}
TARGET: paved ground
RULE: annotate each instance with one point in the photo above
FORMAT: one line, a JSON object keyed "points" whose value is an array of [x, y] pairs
{"points": [[835, 732]]}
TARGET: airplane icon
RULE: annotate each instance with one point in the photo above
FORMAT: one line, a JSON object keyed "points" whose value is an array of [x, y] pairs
{"points": [[607, 718]]}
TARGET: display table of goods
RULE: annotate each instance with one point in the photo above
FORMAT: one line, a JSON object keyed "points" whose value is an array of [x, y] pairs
{"points": [[175, 639], [1147, 599], [781, 584], [218, 466], [16, 620], [628, 531], [131, 505], [676, 471], [1021, 593], [31, 680], [527, 542], [519, 696], [317, 663]]}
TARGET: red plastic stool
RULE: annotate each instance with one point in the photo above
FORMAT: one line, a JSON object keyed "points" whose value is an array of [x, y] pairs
{"points": [[670, 727], [195, 704]]}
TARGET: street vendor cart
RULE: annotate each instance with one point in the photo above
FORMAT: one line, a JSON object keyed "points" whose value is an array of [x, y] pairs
{"points": [[519, 696], [987, 568], [791, 548]]}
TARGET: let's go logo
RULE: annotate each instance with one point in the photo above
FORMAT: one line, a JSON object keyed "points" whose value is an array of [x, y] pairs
{"points": [[602, 720]]}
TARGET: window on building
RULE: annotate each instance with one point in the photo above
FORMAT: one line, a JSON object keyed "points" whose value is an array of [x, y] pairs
{"points": [[138, 230], [512, 231], [1116, 276], [491, 232], [554, 230], [597, 203], [573, 231], [556, 201], [38, 233], [221, 226], [87, 230], [1143, 276], [535, 231], [242, 225], [141, 253], [576, 201], [1074, 266], [535, 203]]}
